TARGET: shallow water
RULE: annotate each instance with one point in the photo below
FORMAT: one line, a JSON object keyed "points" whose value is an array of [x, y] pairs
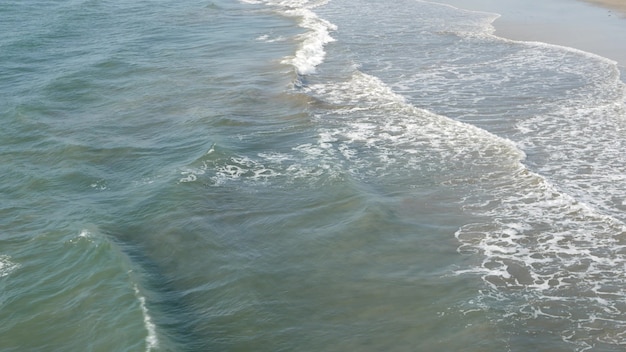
{"points": [[281, 175]]}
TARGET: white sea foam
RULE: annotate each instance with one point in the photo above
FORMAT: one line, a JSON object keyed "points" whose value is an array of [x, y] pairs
{"points": [[267, 39], [190, 174], [373, 132], [556, 231], [553, 250], [311, 51], [389, 131], [571, 252], [478, 24], [553, 247], [86, 235], [100, 185], [7, 266], [588, 161], [152, 339], [541, 242]]}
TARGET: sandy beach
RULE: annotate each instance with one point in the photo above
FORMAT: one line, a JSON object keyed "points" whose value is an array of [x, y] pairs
{"points": [[595, 26], [619, 5]]}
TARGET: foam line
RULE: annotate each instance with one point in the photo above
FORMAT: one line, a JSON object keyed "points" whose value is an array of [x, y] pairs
{"points": [[152, 340], [310, 53]]}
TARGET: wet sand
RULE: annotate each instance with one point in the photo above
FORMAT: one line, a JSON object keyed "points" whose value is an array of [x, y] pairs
{"points": [[596, 26], [619, 5]]}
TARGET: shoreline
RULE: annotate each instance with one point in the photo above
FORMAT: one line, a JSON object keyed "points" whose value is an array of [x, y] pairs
{"points": [[594, 26], [618, 5]]}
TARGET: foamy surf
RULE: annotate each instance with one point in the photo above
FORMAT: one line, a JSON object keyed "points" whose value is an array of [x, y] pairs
{"points": [[547, 256], [368, 130], [552, 241], [310, 53]]}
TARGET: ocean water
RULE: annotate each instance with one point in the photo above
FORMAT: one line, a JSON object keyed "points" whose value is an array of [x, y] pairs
{"points": [[305, 175]]}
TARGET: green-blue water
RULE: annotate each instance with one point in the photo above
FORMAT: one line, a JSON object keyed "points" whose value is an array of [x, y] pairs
{"points": [[304, 176]]}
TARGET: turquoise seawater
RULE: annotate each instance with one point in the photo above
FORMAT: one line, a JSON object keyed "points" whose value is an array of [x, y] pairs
{"points": [[304, 175]]}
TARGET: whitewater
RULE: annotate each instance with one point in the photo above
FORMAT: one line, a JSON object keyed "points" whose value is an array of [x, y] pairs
{"points": [[279, 175]]}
